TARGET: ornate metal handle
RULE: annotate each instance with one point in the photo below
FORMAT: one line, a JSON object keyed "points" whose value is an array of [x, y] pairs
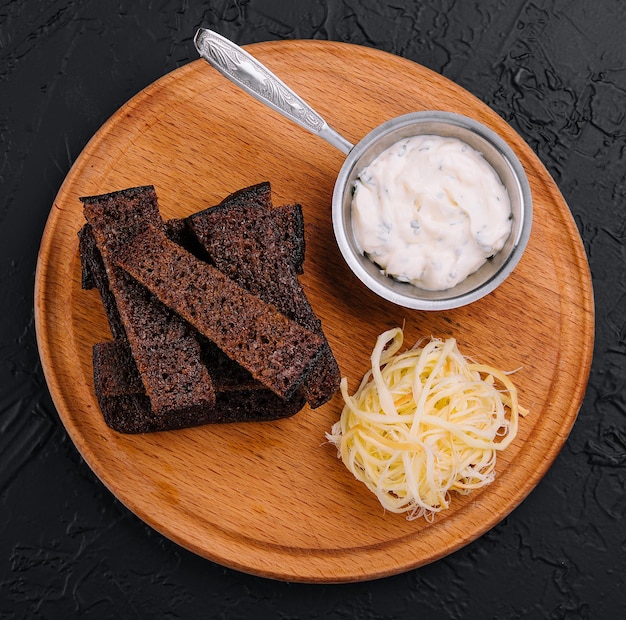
{"points": [[250, 75]]}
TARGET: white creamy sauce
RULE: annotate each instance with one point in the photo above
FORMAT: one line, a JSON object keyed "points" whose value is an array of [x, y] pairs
{"points": [[430, 210]]}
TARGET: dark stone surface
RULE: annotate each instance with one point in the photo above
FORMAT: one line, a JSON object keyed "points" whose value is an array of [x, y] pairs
{"points": [[555, 70]]}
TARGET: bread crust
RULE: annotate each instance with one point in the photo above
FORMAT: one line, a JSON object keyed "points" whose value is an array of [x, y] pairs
{"points": [[154, 272], [165, 348], [276, 351]]}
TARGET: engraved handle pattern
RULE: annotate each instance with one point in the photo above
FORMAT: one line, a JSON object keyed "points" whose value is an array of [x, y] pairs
{"points": [[249, 74]]}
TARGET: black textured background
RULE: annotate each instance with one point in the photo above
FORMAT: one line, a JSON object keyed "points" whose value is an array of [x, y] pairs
{"points": [[555, 70]]}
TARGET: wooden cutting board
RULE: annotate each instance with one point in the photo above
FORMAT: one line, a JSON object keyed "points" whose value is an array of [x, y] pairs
{"points": [[272, 499]]}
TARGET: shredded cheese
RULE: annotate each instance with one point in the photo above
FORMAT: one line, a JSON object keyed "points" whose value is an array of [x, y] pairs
{"points": [[423, 423]]}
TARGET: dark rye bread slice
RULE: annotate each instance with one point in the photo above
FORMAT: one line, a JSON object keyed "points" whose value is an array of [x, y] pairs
{"points": [[93, 271], [91, 264], [288, 223], [276, 351], [126, 407], [94, 276], [120, 392], [118, 387], [165, 347], [89, 255], [287, 220], [241, 238], [218, 364]]}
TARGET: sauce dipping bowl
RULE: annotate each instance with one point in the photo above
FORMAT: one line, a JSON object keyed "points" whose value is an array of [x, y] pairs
{"points": [[495, 151], [254, 78]]}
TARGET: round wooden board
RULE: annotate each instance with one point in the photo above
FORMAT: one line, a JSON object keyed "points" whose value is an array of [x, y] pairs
{"points": [[272, 499]]}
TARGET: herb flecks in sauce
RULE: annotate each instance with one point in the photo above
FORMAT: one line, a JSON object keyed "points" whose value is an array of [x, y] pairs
{"points": [[431, 210]]}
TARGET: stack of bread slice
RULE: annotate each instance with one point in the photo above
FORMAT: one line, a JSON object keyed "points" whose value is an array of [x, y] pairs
{"points": [[209, 321]]}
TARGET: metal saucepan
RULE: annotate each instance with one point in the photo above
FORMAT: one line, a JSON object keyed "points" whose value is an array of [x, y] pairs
{"points": [[253, 77]]}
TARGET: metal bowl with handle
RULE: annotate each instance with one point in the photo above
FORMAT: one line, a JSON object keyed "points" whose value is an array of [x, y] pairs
{"points": [[254, 78]]}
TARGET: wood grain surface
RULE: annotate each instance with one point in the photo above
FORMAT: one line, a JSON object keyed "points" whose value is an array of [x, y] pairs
{"points": [[272, 499]]}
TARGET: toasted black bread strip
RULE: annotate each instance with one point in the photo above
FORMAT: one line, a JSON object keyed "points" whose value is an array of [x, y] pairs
{"points": [[241, 238], [288, 223], [126, 407], [94, 276], [91, 264], [286, 220], [120, 392], [219, 365], [88, 254], [274, 349], [165, 348], [94, 273]]}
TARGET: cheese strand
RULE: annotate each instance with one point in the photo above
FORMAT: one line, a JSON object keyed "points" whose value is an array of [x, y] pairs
{"points": [[424, 423]]}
